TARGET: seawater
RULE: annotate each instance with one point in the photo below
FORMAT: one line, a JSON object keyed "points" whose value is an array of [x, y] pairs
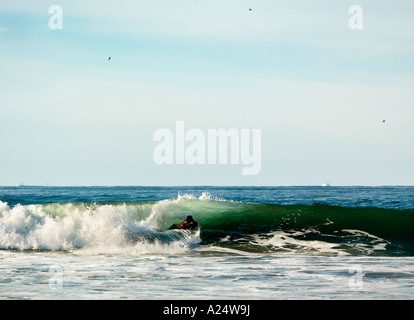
{"points": [[253, 243]]}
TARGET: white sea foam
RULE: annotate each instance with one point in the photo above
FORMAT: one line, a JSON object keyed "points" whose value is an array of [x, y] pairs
{"points": [[94, 228], [286, 242]]}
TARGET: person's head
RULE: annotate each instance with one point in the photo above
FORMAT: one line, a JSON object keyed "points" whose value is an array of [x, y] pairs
{"points": [[190, 218]]}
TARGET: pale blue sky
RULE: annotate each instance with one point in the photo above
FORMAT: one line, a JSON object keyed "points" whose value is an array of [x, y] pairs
{"points": [[317, 89]]}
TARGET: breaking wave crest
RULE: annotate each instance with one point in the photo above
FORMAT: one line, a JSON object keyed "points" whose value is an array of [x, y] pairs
{"points": [[91, 227], [141, 227]]}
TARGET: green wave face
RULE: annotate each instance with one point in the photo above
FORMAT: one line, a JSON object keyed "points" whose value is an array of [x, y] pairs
{"points": [[346, 228]]}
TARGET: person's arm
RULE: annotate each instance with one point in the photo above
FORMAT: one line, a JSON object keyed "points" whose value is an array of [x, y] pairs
{"points": [[182, 225]]}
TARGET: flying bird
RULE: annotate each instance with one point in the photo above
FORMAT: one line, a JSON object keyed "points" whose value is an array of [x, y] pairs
{"points": [[109, 58]]}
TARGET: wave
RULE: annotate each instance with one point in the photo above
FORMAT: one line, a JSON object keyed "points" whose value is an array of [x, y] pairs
{"points": [[227, 226], [107, 228]]}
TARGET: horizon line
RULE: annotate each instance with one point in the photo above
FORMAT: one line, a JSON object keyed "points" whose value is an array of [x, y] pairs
{"points": [[202, 185]]}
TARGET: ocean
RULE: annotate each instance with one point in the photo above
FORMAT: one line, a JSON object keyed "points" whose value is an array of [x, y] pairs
{"points": [[254, 243]]}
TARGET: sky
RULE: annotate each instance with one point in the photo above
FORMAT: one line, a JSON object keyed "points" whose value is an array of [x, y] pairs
{"points": [[318, 90]]}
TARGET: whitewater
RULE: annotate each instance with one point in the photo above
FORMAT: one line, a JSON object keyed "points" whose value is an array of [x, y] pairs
{"points": [[253, 243]]}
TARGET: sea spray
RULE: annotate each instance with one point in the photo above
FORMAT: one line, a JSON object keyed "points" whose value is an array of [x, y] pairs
{"points": [[99, 228]]}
